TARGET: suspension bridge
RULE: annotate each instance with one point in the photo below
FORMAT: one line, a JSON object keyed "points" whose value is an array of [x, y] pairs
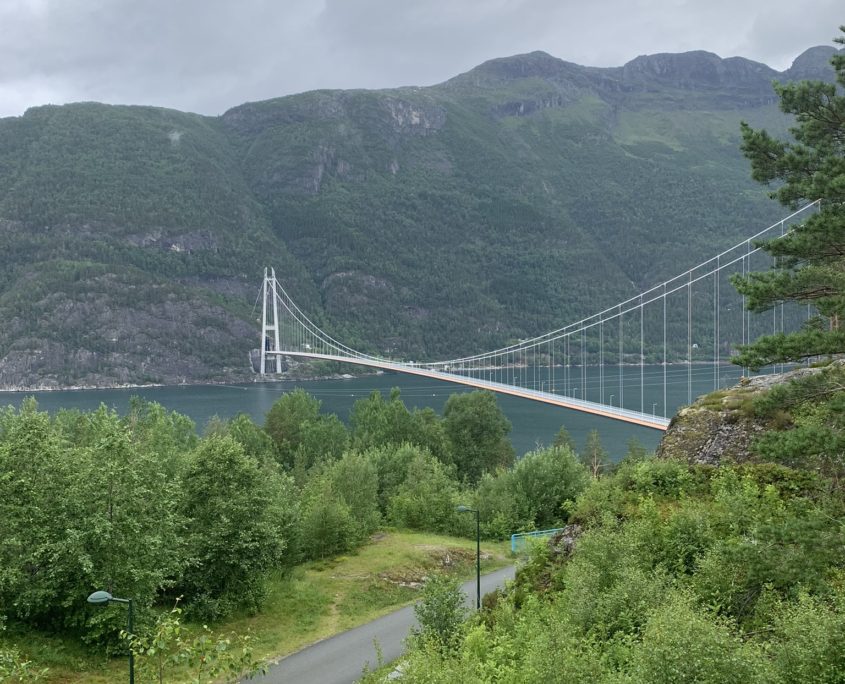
{"points": [[681, 332]]}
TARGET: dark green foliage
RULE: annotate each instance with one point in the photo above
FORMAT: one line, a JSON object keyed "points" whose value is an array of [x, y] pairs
{"points": [[391, 463], [355, 481], [477, 431], [729, 575], [302, 435], [682, 643], [376, 422], [813, 634], [564, 439], [142, 507], [544, 482], [813, 410], [285, 420], [320, 441], [77, 518], [635, 452], [427, 498], [327, 526], [256, 442], [501, 509], [238, 517], [810, 260]]}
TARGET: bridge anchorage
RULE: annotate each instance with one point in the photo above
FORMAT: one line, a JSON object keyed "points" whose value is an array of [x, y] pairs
{"points": [[636, 361]]}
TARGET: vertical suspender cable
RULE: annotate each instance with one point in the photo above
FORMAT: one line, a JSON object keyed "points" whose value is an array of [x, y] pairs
{"points": [[621, 356], [642, 359], [601, 360], [665, 356], [689, 339], [718, 321], [715, 330], [583, 363]]}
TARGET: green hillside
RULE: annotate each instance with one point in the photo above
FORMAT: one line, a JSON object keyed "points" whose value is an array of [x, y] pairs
{"points": [[418, 222]]}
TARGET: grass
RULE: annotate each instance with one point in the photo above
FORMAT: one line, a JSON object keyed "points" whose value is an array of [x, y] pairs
{"points": [[318, 599]]}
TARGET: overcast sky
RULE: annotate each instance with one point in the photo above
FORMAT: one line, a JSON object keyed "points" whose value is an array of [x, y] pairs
{"points": [[209, 55]]}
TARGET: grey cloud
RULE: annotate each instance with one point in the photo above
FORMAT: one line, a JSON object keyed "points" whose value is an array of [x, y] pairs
{"points": [[210, 55]]}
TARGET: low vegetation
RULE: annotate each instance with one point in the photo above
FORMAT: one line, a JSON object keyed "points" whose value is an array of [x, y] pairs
{"points": [[670, 572], [248, 529]]}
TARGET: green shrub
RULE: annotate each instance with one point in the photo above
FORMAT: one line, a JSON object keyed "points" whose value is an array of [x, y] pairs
{"points": [[441, 611], [238, 526], [327, 526], [682, 643], [427, 499]]}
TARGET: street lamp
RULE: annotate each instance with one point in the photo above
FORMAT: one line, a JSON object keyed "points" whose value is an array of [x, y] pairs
{"points": [[102, 598], [467, 509]]}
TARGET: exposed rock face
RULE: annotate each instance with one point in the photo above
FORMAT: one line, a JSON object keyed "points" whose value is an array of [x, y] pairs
{"points": [[813, 64], [719, 427], [696, 69], [704, 436], [563, 543]]}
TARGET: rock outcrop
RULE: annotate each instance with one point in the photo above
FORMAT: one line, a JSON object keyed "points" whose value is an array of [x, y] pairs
{"points": [[721, 427]]}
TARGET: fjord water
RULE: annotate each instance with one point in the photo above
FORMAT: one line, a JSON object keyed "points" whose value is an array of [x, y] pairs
{"points": [[533, 423]]}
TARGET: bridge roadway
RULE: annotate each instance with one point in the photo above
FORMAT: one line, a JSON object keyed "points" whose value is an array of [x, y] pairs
{"points": [[625, 415]]}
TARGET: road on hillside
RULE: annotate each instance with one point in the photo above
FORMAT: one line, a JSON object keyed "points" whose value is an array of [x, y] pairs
{"points": [[341, 659]]}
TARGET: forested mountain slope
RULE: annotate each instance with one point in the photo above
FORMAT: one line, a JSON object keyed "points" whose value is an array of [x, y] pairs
{"points": [[417, 222]]}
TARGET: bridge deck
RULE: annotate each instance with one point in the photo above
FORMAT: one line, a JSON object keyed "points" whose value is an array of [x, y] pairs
{"points": [[625, 415]]}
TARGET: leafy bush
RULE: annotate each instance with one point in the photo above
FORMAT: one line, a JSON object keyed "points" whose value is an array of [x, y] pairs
{"points": [[391, 463], [477, 431], [441, 611], [813, 640], [78, 518], [682, 643], [238, 526], [545, 481], [427, 499], [500, 507], [327, 526], [167, 645], [354, 479]]}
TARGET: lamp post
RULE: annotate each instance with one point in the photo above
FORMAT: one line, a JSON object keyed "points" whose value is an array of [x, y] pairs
{"points": [[467, 509], [102, 598]]}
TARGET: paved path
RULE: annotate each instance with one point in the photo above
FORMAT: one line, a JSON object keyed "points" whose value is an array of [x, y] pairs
{"points": [[340, 659]]}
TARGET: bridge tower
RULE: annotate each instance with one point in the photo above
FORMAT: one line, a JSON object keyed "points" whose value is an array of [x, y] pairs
{"points": [[270, 344]]}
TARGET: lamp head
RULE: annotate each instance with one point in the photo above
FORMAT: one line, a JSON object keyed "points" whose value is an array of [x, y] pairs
{"points": [[463, 509], [100, 597]]}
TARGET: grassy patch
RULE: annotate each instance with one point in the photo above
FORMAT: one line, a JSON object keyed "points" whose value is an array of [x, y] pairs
{"points": [[315, 601]]}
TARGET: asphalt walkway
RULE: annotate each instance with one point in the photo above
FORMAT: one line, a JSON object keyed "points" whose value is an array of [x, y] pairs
{"points": [[341, 659]]}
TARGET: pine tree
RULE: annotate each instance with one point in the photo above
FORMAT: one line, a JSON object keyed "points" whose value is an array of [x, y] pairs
{"points": [[564, 439], [811, 259]]}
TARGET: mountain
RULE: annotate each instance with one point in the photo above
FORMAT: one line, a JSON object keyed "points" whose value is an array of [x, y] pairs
{"points": [[416, 222]]}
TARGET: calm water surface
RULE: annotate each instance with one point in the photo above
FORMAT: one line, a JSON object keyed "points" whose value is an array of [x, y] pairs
{"points": [[533, 423]]}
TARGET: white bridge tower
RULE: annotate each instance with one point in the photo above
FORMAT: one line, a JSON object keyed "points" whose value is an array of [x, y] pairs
{"points": [[268, 343]]}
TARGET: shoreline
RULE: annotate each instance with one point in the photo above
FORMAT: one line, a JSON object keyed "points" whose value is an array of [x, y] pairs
{"points": [[206, 383], [256, 380]]}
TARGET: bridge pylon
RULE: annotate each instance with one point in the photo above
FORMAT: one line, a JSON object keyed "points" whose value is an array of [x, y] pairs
{"points": [[270, 345]]}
